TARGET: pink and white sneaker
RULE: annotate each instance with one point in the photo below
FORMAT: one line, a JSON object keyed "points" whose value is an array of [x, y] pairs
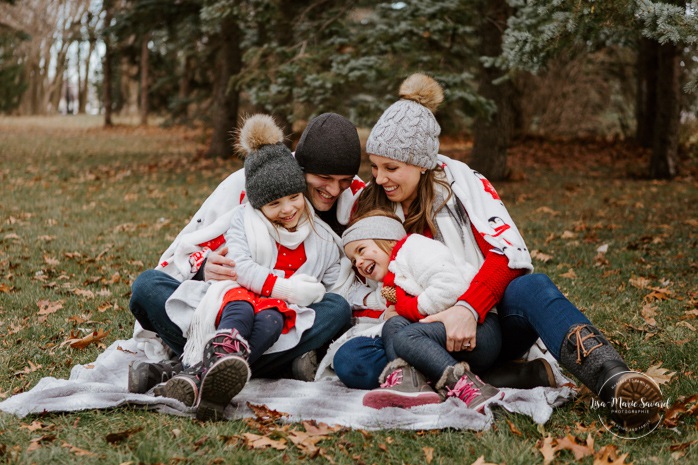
{"points": [[401, 386]]}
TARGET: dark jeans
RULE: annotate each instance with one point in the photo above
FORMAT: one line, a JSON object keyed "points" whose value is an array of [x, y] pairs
{"points": [[261, 330], [152, 288], [423, 345], [532, 307]]}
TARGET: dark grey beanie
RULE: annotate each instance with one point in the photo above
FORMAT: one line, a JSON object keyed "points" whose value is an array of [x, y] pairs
{"points": [[271, 172], [329, 145]]}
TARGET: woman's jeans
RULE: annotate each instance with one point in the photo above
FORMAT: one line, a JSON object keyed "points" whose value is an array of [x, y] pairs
{"points": [[152, 288], [532, 307]]}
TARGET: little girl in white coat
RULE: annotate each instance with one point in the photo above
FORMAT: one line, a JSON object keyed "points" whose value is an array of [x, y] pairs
{"points": [[286, 260], [419, 277]]}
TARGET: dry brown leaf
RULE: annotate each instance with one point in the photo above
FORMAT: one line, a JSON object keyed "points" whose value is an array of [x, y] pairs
{"points": [[540, 256], [47, 307], [580, 451], [319, 429], [660, 375], [514, 429], [50, 261], [686, 406], [266, 415], [570, 274], [77, 451], [84, 293], [481, 461], [608, 455], [254, 441], [5, 289], [77, 342], [688, 314], [36, 442], [648, 313], [640, 283], [686, 324], [568, 235], [121, 436], [545, 447], [428, 454], [658, 294], [35, 425], [30, 369], [547, 210]]}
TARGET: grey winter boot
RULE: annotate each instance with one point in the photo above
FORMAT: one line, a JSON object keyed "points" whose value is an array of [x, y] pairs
{"points": [[521, 374], [458, 381], [143, 376], [588, 355], [401, 386], [226, 372]]}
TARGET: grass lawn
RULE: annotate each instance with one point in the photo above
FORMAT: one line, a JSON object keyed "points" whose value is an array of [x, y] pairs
{"points": [[84, 210]]}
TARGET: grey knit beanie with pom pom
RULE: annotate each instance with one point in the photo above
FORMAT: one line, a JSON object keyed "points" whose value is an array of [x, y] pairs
{"points": [[407, 131], [271, 172]]}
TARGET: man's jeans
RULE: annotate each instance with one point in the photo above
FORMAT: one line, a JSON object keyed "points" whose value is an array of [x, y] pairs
{"points": [[532, 307], [152, 288]]}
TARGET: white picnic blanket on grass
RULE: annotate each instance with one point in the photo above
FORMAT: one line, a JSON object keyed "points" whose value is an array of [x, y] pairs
{"points": [[103, 384]]}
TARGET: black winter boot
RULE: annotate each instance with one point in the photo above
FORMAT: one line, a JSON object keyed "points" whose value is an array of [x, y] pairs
{"points": [[521, 374], [588, 355]]}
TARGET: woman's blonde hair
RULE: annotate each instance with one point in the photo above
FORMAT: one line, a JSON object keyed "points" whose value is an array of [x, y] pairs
{"points": [[421, 213]]}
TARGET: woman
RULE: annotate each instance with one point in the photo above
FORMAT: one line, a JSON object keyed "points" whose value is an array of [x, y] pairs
{"points": [[446, 200]]}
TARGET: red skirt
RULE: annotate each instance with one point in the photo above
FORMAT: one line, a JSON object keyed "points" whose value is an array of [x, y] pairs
{"points": [[259, 304]]}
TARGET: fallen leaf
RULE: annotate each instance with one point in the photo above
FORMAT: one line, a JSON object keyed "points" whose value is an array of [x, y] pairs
{"points": [[570, 274], [660, 375], [254, 441], [648, 313], [481, 461], [658, 294], [540, 256], [685, 406], [688, 314], [84, 293], [568, 235], [30, 369], [545, 447], [319, 429], [36, 442], [5, 289], [602, 249], [608, 455], [686, 324], [640, 283], [79, 452], [264, 414], [121, 436], [77, 342], [35, 425], [547, 210], [580, 451], [50, 261], [428, 454], [47, 307], [514, 429]]}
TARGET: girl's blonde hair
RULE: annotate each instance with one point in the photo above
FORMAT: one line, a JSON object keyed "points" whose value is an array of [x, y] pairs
{"points": [[420, 216]]}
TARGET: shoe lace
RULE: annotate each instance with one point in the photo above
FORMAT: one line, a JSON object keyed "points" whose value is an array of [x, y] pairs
{"points": [[228, 345], [583, 352], [393, 379], [464, 389]]}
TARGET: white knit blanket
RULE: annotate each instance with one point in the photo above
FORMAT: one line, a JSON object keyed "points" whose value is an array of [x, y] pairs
{"points": [[103, 384]]}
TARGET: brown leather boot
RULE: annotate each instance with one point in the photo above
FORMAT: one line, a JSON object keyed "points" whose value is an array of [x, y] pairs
{"points": [[521, 374]]}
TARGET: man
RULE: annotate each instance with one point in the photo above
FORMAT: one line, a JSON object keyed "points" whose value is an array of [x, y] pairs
{"points": [[329, 152]]}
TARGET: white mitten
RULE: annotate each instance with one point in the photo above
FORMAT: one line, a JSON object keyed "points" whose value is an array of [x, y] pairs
{"points": [[375, 300], [300, 289]]}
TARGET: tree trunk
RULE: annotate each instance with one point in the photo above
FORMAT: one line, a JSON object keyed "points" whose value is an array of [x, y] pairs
{"points": [[663, 164], [107, 66], [492, 136], [646, 101], [84, 86], [144, 78], [226, 102]]}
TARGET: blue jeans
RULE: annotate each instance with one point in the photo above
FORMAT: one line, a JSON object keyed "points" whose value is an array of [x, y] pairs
{"points": [[261, 330], [152, 288], [423, 345], [532, 307]]}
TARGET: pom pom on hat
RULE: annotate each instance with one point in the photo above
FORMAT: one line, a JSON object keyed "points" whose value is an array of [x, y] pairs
{"points": [[422, 89], [408, 131], [271, 172]]}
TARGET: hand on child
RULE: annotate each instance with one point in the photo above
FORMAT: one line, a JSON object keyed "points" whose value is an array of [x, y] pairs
{"points": [[218, 267], [299, 289], [461, 327]]}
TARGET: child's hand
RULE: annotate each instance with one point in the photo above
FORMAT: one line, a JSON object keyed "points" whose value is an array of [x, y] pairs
{"points": [[300, 289]]}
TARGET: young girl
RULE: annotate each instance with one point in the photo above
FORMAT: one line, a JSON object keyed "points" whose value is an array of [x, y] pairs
{"points": [[420, 278], [285, 260]]}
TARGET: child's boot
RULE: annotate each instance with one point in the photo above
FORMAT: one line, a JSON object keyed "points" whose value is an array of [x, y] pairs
{"points": [[143, 376], [226, 373], [458, 381], [588, 355], [521, 374], [401, 386], [184, 386]]}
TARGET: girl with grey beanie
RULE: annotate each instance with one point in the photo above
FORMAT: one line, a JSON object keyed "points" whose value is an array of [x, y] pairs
{"points": [[285, 260]]}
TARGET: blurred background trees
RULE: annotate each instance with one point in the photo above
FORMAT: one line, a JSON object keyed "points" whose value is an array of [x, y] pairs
{"points": [[618, 69]]}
